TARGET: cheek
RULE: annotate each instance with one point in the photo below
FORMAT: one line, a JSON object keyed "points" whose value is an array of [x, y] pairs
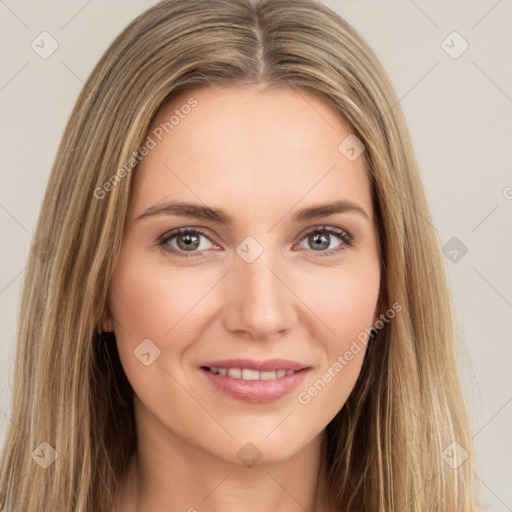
{"points": [[346, 304], [149, 303], [347, 308], [137, 302], [169, 307], [148, 300]]}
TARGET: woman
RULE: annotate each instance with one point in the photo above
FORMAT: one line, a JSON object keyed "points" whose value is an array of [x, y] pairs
{"points": [[235, 297]]}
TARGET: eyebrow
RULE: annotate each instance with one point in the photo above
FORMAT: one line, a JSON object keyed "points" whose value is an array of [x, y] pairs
{"points": [[219, 216]]}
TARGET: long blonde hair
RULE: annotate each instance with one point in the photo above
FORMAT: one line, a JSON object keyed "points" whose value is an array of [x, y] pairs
{"points": [[387, 445]]}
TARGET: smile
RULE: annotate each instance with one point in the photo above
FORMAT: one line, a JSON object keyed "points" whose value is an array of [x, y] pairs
{"points": [[253, 386]]}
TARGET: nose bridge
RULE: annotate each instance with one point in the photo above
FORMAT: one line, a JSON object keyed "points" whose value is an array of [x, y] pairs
{"points": [[259, 301]]}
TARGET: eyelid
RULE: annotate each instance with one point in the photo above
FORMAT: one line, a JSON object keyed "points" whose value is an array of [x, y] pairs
{"points": [[169, 235], [346, 237], [342, 233]]}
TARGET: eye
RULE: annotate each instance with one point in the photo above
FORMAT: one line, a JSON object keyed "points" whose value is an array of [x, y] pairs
{"points": [[320, 238], [188, 240]]}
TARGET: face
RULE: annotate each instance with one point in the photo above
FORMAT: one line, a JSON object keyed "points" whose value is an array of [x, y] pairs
{"points": [[213, 301]]}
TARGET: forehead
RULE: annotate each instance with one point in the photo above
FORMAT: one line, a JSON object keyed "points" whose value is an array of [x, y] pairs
{"points": [[243, 148]]}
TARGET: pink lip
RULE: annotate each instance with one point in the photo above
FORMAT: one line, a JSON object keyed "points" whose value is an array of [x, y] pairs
{"points": [[268, 365], [256, 391]]}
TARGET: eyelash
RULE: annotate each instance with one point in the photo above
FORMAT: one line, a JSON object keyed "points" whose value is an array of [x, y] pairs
{"points": [[346, 238]]}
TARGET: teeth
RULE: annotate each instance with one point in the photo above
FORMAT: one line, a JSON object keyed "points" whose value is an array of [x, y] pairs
{"points": [[248, 374], [235, 372]]}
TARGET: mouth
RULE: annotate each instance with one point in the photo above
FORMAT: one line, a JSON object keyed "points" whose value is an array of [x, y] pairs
{"points": [[253, 381], [250, 374]]}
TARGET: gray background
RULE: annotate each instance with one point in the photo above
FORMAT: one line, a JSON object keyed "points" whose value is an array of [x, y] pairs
{"points": [[459, 112]]}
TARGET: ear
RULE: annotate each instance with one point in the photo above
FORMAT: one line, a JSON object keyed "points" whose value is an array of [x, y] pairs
{"points": [[106, 322]]}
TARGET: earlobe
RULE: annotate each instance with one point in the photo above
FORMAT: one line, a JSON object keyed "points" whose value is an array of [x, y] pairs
{"points": [[106, 323]]}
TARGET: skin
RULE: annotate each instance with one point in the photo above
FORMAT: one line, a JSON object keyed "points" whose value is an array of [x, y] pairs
{"points": [[261, 156]]}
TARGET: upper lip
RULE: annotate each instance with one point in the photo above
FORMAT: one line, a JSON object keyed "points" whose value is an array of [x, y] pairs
{"points": [[267, 365]]}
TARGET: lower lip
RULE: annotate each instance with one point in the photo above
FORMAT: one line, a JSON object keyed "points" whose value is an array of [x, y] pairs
{"points": [[256, 391]]}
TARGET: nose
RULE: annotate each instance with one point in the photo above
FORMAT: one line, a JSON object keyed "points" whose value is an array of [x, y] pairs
{"points": [[259, 300]]}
